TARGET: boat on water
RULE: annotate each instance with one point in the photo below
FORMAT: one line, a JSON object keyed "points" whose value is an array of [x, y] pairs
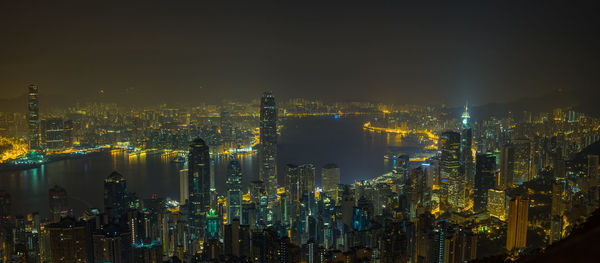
{"points": [[179, 158]]}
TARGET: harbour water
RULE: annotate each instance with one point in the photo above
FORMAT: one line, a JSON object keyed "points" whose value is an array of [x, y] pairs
{"points": [[319, 141]]}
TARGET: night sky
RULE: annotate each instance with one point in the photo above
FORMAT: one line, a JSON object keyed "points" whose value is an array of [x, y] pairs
{"points": [[391, 51]]}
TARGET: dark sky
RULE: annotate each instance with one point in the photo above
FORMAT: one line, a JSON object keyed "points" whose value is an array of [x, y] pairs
{"points": [[393, 51]]}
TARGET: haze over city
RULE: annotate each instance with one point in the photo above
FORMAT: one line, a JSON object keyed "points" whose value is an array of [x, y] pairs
{"points": [[388, 51], [299, 131]]}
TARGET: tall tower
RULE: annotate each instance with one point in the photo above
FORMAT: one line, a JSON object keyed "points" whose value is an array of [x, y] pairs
{"points": [[307, 178], [485, 179], [115, 198], [466, 141], [330, 178], [451, 179], [268, 143], [199, 183], [33, 118], [234, 191], [58, 203], [516, 235]]}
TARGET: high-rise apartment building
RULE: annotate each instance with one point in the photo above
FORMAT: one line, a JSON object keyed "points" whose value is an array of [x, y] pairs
{"points": [[516, 234]]}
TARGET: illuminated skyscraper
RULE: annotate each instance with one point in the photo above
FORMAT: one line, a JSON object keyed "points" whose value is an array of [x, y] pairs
{"points": [[115, 198], [53, 134], [451, 179], [234, 191], [516, 235], [307, 178], [496, 204], [507, 166], [267, 155], [330, 178], [466, 141], [292, 182], [59, 204], [199, 183], [184, 189], [522, 168], [33, 118], [485, 179]]}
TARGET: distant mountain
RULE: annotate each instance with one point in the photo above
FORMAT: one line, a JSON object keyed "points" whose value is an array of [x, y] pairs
{"points": [[586, 103]]}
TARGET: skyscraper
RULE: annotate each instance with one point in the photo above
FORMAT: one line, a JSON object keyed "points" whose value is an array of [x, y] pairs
{"points": [[53, 134], [496, 204], [33, 118], [115, 198], [292, 182], [307, 178], [466, 141], [451, 179], [330, 178], [58, 203], [234, 191], [516, 235], [485, 179], [268, 143], [522, 168], [507, 166], [199, 183], [184, 189]]}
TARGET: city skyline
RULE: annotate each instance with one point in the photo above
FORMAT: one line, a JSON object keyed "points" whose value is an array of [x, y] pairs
{"points": [[303, 132]]}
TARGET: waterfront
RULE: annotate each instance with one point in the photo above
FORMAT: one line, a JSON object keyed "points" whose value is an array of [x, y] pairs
{"points": [[322, 140]]}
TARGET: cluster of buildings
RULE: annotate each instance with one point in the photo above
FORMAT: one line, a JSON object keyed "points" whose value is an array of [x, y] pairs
{"points": [[487, 189]]}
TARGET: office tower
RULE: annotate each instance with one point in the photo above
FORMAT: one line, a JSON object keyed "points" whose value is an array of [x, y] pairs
{"points": [[485, 179], [516, 234], [439, 247], [112, 243], [212, 225], [466, 141], [4, 204], [267, 155], [59, 204], [496, 204], [307, 178], [199, 184], [523, 171], [53, 136], [515, 162], [70, 241], [184, 188], [347, 207], [115, 198], [33, 118], [237, 239], [234, 191], [507, 166], [451, 179], [292, 182], [330, 178]]}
